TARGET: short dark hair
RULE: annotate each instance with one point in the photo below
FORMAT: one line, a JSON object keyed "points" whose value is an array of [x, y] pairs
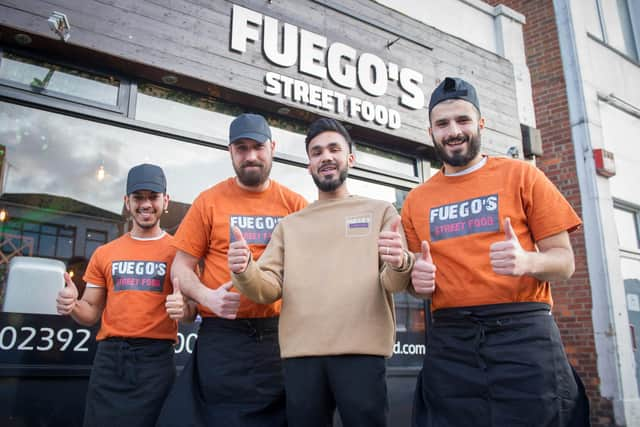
{"points": [[327, 125]]}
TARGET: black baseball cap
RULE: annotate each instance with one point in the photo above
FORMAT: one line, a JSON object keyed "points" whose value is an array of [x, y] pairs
{"points": [[454, 88], [251, 126], [146, 177]]}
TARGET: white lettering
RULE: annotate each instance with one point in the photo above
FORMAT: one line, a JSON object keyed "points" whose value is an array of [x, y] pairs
{"points": [[272, 82], [271, 45], [244, 23], [413, 96], [341, 74], [311, 54], [394, 120], [372, 74]]}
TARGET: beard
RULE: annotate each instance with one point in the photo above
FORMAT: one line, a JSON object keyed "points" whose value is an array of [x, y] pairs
{"points": [[253, 178], [459, 158], [330, 185], [146, 225]]}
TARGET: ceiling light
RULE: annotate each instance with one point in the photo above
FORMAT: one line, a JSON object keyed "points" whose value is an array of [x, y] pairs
{"points": [[169, 79], [100, 173], [22, 39]]}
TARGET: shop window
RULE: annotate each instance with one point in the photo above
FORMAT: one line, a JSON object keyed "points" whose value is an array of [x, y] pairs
{"points": [[72, 177], [55, 80], [614, 25]]}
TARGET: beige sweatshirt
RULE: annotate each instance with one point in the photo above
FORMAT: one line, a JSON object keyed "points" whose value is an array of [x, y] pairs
{"points": [[336, 293]]}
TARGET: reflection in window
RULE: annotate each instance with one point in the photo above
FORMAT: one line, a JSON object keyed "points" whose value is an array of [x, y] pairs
{"points": [[43, 157], [93, 239], [40, 76], [23, 237], [210, 117]]}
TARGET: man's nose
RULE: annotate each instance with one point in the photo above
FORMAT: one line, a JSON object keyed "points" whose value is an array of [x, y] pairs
{"points": [[325, 156], [251, 155], [453, 130], [145, 203]]}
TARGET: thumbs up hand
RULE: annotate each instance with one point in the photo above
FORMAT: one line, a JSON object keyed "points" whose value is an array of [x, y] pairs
{"points": [[507, 256], [390, 245], [67, 297], [423, 275], [176, 303], [223, 302], [239, 253]]}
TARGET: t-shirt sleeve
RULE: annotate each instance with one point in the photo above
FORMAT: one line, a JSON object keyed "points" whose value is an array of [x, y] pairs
{"points": [[548, 212], [299, 202], [413, 241], [193, 234], [94, 273]]}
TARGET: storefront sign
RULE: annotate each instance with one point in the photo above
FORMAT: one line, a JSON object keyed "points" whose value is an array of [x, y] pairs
{"points": [[338, 62]]}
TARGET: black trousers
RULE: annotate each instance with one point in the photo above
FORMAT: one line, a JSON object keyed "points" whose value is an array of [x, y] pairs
{"points": [[355, 384], [233, 378], [499, 365], [129, 381]]}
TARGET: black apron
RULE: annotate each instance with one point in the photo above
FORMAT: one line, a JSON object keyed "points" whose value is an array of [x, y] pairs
{"points": [[129, 381], [497, 365], [233, 378]]}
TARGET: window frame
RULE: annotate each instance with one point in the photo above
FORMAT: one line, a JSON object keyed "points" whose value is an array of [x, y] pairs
{"points": [[634, 29], [635, 210], [124, 87]]}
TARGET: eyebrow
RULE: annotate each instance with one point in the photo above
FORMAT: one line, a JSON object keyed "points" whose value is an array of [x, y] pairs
{"points": [[458, 117]]}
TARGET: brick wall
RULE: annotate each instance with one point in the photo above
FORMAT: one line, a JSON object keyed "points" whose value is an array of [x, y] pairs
{"points": [[572, 298]]}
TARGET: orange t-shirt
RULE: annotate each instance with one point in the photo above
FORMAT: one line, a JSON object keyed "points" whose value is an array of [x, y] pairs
{"points": [[205, 232], [136, 275], [461, 216]]}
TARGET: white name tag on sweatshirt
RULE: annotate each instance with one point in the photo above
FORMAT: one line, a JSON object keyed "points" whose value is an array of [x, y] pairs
{"points": [[358, 225]]}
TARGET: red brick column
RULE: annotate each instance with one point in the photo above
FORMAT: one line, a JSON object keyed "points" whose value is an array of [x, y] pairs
{"points": [[572, 298]]}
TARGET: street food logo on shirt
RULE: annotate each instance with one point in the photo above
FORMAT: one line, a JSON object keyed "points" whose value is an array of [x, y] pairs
{"points": [[470, 216], [358, 225], [138, 275], [256, 229]]}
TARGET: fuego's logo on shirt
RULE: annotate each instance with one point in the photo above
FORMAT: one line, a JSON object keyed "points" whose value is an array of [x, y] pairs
{"points": [[256, 229], [138, 275], [477, 215]]}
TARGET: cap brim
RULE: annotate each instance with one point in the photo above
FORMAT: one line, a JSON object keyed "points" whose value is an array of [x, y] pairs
{"points": [[257, 137], [156, 188]]}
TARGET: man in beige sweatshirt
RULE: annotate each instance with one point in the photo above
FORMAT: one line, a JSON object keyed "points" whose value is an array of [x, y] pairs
{"points": [[335, 265]]}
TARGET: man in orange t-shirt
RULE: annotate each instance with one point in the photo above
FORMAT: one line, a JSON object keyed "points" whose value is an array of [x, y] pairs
{"points": [[490, 234], [234, 375], [129, 289]]}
